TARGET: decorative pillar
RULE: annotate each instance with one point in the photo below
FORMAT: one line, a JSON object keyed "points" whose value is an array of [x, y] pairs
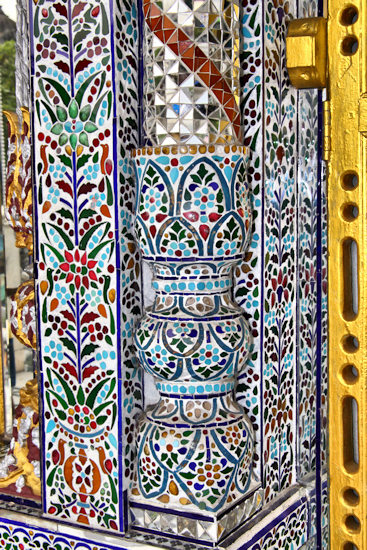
{"points": [[83, 73], [194, 474]]}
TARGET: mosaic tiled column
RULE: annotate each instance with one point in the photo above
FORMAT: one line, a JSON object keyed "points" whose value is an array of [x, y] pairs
{"points": [[195, 446], [83, 70]]}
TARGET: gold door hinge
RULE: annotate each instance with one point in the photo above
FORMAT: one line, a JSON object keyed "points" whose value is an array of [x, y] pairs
{"points": [[307, 52]]}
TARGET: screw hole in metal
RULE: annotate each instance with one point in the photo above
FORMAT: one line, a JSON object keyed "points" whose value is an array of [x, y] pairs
{"points": [[351, 496], [350, 212], [349, 181], [349, 45], [349, 16], [353, 524], [350, 343], [350, 374]]}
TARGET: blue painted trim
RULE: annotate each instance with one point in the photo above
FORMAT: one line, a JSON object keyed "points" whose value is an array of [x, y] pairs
{"points": [[262, 256], [120, 451], [319, 373], [200, 260], [36, 259], [195, 395], [297, 289], [190, 426], [140, 17], [202, 319], [41, 408], [4, 497]]}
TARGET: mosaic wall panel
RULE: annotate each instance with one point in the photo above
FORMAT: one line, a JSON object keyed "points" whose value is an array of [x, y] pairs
{"points": [[313, 506], [23, 537], [269, 304], [248, 289], [78, 263], [288, 530], [307, 271], [325, 517], [127, 93], [279, 256], [280, 125], [311, 203], [324, 324]]}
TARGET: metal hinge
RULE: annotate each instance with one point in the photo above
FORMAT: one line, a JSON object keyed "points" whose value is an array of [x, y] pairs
{"points": [[327, 139], [306, 52]]}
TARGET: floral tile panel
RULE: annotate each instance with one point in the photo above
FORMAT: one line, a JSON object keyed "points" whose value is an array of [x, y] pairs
{"points": [[79, 262]]}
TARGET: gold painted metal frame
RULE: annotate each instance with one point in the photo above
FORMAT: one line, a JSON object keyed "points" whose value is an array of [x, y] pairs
{"points": [[347, 195]]}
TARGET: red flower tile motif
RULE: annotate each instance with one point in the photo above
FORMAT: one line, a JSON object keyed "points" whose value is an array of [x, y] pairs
{"points": [[79, 269]]}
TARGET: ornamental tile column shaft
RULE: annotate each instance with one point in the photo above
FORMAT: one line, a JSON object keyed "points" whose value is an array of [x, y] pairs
{"points": [[195, 446]]}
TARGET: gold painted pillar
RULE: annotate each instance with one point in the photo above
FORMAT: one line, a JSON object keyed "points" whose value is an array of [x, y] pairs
{"points": [[347, 191]]}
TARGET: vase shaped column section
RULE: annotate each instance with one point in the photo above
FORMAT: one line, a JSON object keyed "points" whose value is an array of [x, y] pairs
{"points": [[195, 445]]}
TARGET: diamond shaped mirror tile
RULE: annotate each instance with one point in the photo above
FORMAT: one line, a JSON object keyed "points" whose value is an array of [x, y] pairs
{"points": [[191, 53]]}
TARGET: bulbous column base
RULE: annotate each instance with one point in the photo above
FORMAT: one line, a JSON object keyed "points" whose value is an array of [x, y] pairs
{"points": [[195, 480], [203, 458], [201, 526]]}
